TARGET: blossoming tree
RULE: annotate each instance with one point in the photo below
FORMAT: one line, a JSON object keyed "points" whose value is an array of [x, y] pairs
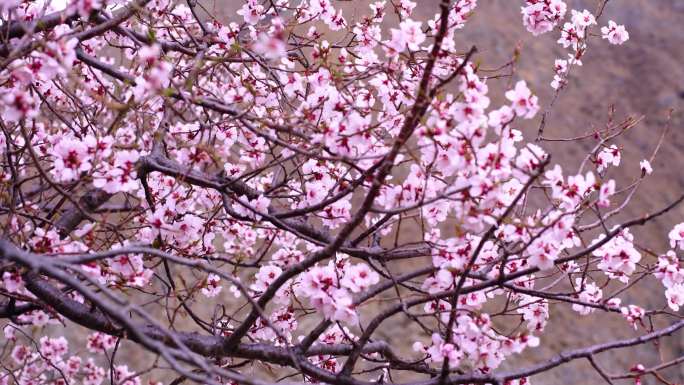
{"points": [[251, 202]]}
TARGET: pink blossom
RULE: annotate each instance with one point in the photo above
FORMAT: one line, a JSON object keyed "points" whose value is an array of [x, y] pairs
{"points": [[12, 282], [85, 7], [73, 365], [669, 270], [439, 351], [124, 376], [251, 11], [588, 292], [614, 33], [100, 342], [130, 269], [258, 205], [618, 256], [52, 349], [359, 277], [264, 277], [609, 156], [121, 176], [157, 75], [583, 19], [92, 374], [645, 166], [9, 331], [211, 287], [541, 16], [20, 353], [633, 314], [18, 105], [72, 157], [408, 35], [676, 236], [372, 174], [523, 102], [605, 192], [271, 45], [675, 296]]}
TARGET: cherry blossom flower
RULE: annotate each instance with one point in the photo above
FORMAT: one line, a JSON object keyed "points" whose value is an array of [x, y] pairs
{"points": [[285, 257], [72, 157], [85, 7], [605, 192], [633, 314], [157, 74], [271, 44], [543, 253], [100, 342], [439, 351], [607, 157], [9, 331], [577, 188], [669, 270], [20, 353], [121, 176], [211, 287], [251, 11], [13, 282], [618, 256], [124, 376], [535, 311], [266, 275], [18, 105], [529, 161], [228, 33], [258, 205], [583, 19], [523, 102], [560, 66], [614, 33], [588, 292], [675, 296], [52, 349], [408, 35], [359, 277], [541, 16], [92, 374], [130, 269], [645, 166], [676, 236], [149, 54], [614, 303], [500, 117]]}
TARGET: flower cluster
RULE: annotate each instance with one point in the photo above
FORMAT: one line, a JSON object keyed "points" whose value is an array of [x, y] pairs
{"points": [[618, 256], [614, 33], [329, 288], [671, 274], [541, 16], [331, 173], [48, 361]]}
